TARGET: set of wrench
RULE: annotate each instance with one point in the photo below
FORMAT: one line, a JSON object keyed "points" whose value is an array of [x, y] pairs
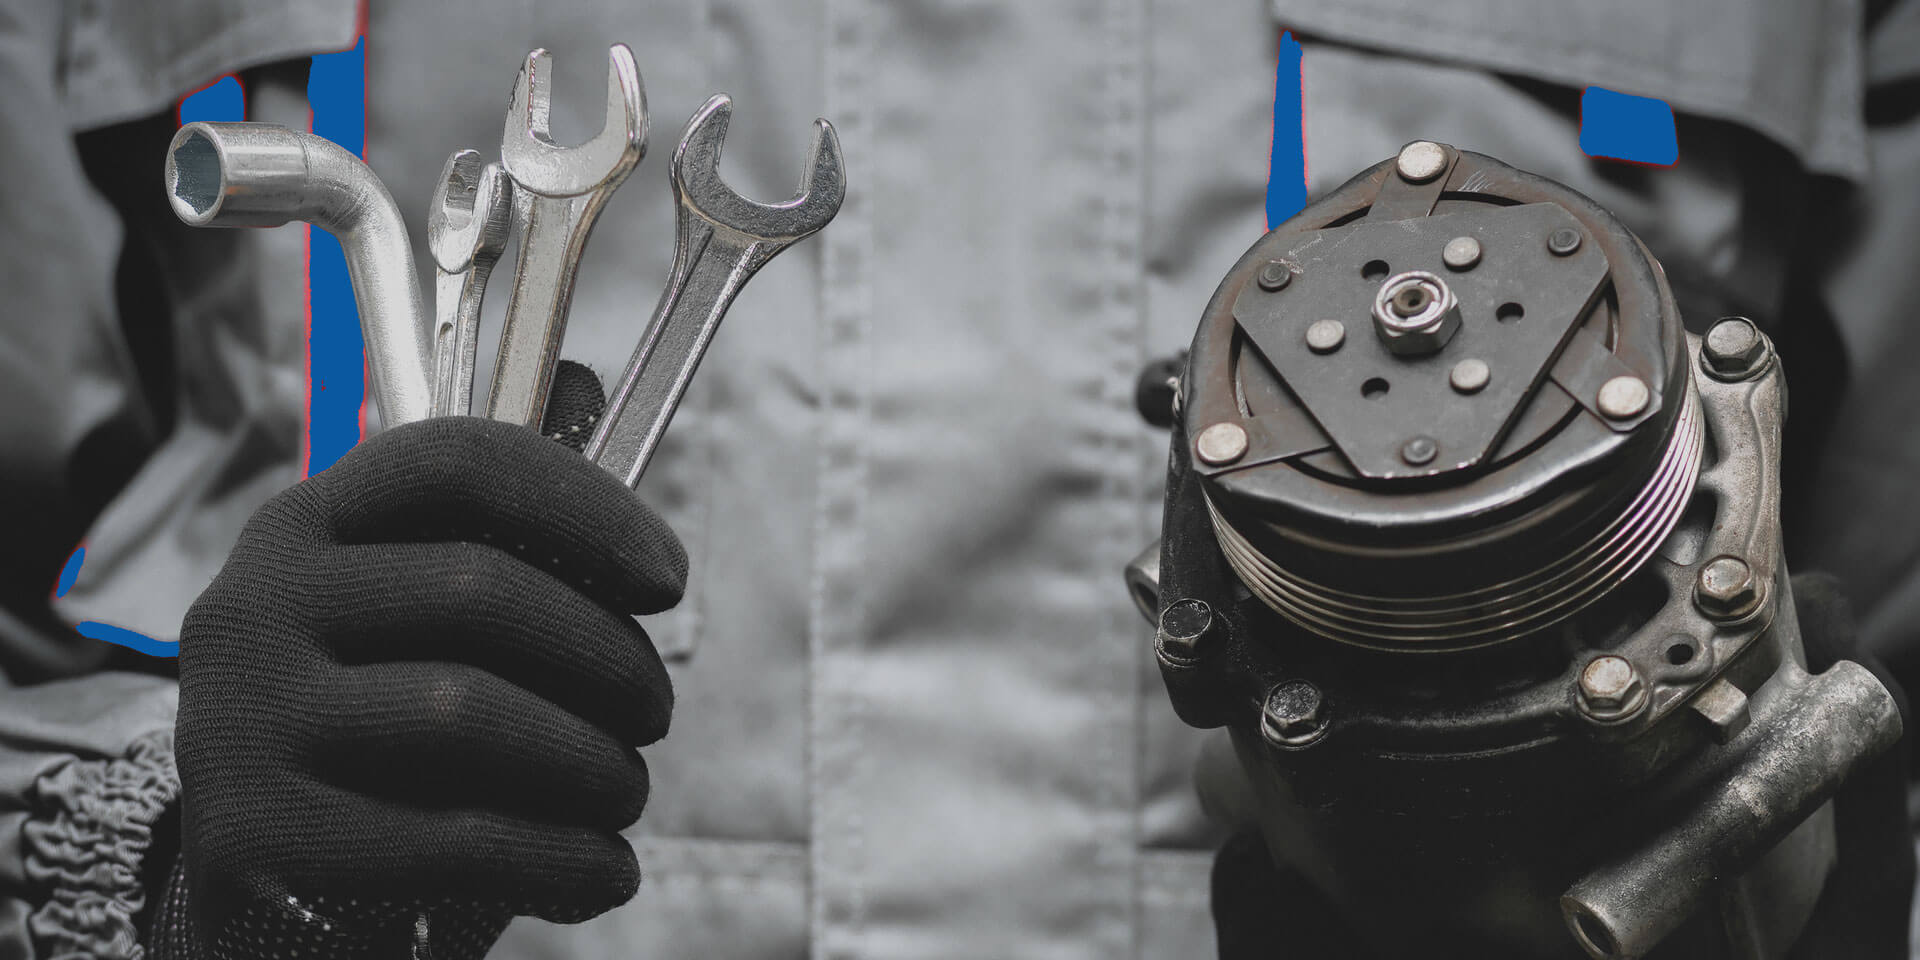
{"points": [[249, 174]]}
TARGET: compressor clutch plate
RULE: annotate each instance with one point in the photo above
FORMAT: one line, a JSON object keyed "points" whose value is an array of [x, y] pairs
{"points": [[1442, 412]]}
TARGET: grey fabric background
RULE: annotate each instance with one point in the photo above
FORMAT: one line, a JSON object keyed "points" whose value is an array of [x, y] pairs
{"points": [[918, 717]]}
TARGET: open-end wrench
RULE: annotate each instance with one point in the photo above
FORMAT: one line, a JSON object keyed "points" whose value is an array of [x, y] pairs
{"points": [[562, 191], [467, 226], [721, 239]]}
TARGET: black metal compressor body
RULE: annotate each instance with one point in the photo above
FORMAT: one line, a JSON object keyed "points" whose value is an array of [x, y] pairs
{"points": [[1474, 551]]}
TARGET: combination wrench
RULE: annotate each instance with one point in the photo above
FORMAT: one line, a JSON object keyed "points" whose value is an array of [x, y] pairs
{"points": [[560, 192], [467, 224], [721, 239]]}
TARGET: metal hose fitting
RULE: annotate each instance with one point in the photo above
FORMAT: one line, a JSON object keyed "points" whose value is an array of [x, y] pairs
{"points": [[265, 175]]}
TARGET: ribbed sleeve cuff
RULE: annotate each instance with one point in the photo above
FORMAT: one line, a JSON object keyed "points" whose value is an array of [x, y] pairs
{"points": [[85, 846]]}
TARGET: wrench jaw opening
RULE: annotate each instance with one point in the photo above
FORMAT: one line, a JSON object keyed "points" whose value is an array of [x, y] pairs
{"points": [[539, 165], [471, 212], [697, 183]]}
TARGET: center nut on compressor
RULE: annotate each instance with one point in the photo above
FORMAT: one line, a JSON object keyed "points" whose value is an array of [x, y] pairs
{"points": [[1475, 552]]}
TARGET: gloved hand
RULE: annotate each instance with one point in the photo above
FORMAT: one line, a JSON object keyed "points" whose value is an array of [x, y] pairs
{"points": [[415, 690]]}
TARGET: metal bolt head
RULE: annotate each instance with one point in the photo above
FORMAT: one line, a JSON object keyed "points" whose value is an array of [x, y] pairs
{"points": [[1421, 160], [1460, 253], [1611, 689], [1733, 349], [1294, 714], [1623, 397], [1419, 451], [1563, 242], [1221, 443], [1415, 313], [1470, 375], [1726, 589], [1274, 276], [1326, 336], [1182, 625]]}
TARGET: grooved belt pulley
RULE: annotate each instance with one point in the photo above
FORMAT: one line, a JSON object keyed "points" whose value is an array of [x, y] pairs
{"points": [[1442, 407]]}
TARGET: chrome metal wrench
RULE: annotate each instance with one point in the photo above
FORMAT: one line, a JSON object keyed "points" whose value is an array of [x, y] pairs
{"points": [[721, 239], [562, 192], [467, 225]]}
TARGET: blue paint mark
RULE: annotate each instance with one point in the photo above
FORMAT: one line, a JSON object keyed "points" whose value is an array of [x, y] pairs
{"points": [[70, 572], [1620, 126], [1287, 169], [336, 89], [217, 102], [127, 638]]}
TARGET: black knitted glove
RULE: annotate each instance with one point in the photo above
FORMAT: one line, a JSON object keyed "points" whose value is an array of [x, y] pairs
{"points": [[412, 697]]}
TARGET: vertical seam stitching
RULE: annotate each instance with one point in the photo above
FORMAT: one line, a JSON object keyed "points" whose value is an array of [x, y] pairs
{"points": [[845, 324], [1137, 513], [1120, 207]]}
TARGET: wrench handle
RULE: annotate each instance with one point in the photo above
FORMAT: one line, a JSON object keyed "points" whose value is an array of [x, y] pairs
{"points": [[709, 270], [555, 233], [456, 337], [445, 349]]}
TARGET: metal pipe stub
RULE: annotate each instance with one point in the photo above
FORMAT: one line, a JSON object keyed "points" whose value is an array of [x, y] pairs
{"points": [[1514, 437], [1808, 735]]}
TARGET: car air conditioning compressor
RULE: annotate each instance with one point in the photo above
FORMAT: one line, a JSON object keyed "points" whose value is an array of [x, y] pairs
{"points": [[1475, 552]]}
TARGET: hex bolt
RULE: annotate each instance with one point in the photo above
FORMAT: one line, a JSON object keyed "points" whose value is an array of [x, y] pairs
{"points": [[1182, 625], [1460, 253], [1421, 160], [1563, 242], [1295, 715], [1274, 276], [1470, 375], [1624, 397], [1415, 313], [1326, 336], [1419, 451], [1611, 689], [1726, 588], [1734, 349], [1221, 443]]}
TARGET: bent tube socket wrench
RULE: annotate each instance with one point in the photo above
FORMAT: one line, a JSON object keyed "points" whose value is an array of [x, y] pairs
{"points": [[467, 224], [721, 239], [561, 192], [264, 175]]}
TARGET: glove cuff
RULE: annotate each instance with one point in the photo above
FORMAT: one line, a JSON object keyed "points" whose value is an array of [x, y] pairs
{"points": [[90, 835]]}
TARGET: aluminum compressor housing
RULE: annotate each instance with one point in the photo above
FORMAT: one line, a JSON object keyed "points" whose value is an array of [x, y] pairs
{"points": [[1475, 552]]}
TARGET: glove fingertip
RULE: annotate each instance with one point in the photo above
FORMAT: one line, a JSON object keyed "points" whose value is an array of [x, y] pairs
{"points": [[574, 405], [606, 884]]}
